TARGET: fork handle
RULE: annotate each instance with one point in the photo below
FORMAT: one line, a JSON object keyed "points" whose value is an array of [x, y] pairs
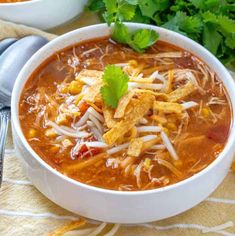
{"points": [[4, 118]]}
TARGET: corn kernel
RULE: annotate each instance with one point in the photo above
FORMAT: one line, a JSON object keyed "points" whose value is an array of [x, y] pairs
{"points": [[75, 87], [67, 143], [171, 126], [50, 133], [79, 98], [61, 119], [165, 130], [178, 163], [32, 133], [205, 112], [147, 163], [55, 149], [76, 113], [64, 89], [133, 63], [166, 181]]}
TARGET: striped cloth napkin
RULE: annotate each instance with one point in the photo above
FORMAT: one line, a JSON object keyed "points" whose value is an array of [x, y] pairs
{"points": [[25, 211]]}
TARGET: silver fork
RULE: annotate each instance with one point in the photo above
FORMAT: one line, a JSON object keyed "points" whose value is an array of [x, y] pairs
{"points": [[11, 63], [5, 114]]}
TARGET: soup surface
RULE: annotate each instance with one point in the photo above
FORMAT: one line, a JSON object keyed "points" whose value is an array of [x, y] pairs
{"points": [[173, 121]]}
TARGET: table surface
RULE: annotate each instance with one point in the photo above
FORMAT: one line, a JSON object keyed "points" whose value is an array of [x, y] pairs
{"points": [[25, 211]]}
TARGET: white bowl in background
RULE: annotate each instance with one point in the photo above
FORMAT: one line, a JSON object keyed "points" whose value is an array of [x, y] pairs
{"points": [[114, 206], [42, 14]]}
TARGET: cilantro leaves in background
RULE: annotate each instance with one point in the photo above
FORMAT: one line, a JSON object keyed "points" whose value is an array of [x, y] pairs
{"points": [[209, 22], [115, 85]]}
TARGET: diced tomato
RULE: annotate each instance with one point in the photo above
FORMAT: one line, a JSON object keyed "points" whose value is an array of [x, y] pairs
{"points": [[91, 152], [218, 134], [85, 152], [83, 106], [83, 149]]}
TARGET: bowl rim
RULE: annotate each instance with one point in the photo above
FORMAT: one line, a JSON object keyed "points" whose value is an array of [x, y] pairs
{"points": [[17, 90], [19, 3]]}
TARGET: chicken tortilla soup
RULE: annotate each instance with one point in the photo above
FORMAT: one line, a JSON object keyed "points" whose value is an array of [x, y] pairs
{"points": [[110, 117]]}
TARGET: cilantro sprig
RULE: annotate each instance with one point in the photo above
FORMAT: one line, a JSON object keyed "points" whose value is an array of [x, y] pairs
{"points": [[209, 22], [139, 40], [124, 10], [115, 85]]}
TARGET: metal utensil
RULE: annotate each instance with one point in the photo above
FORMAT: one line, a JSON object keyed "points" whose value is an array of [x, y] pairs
{"points": [[11, 62], [5, 43]]}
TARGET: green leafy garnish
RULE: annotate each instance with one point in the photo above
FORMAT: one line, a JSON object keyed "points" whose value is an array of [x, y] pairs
{"points": [[209, 22], [124, 10], [118, 10], [139, 40], [121, 33], [97, 5], [115, 85]]}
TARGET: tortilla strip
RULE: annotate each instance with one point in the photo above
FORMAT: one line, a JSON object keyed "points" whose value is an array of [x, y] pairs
{"points": [[159, 119], [123, 102], [90, 74], [147, 145], [136, 109], [135, 147], [68, 227], [108, 116], [163, 96], [173, 54], [170, 81], [171, 167], [92, 93], [141, 80], [168, 107], [71, 168], [181, 92]]}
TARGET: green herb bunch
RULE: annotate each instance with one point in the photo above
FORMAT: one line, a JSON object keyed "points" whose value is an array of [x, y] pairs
{"points": [[209, 22]]}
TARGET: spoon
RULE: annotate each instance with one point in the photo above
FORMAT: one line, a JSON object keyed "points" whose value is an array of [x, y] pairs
{"points": [[5, 43], [11, 62]]}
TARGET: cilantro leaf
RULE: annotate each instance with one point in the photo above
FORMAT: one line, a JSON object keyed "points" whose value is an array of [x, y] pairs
{"points": [[147, 7], [139, 40], [200, 4], [115, 85], [96, 5], [230, 41], [111, 6], [139, 18], [126, 11], [211, 38], [132, 2], [119, 10], [187, 25], [226, 24], [143, 38], [121, 33], [162, 4]]}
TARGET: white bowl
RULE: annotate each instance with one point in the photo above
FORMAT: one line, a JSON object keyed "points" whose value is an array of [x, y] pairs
{"points": [[42, 14], [108, 205]]}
